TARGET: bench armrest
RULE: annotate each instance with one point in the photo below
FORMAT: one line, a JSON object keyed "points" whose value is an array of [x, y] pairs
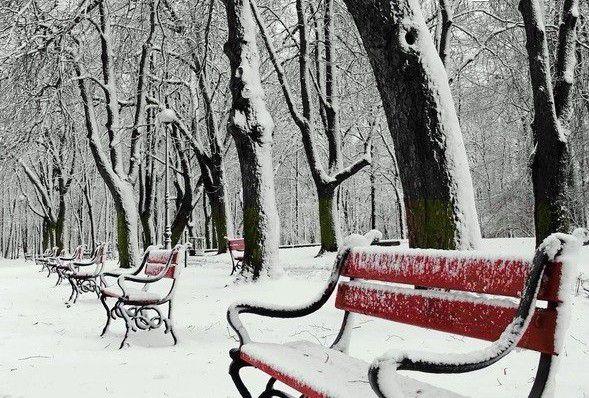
{"points": [[274, 311], [468, 362], [86, 263], [134, 278]]}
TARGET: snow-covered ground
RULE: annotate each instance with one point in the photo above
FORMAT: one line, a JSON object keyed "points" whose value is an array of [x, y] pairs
{"points": [[48, 350]]}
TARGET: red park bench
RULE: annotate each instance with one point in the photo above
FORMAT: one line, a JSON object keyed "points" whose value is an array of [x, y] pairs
{"points": [[47, 256], [136, 303], [84, 274], [451, 302], [236, 248]]}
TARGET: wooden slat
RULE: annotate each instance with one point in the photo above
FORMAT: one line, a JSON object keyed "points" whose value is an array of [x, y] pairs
{"points": [[283, 377], [450, 270], [236, 244], [467, 316]]}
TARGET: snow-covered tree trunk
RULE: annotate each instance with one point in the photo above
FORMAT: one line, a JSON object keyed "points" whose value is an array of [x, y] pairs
{"points": [[551, 165], [413, 86], [251, 126]]}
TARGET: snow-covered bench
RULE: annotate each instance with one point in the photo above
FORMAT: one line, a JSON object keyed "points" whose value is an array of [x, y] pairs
{"points": [[64, 264], [139, 307], [469, 294], [236, 248], [44, 258], [84, 275]]}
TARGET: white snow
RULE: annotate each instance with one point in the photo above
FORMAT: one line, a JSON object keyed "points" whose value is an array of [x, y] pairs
{"points": [[167, 115], [48, 350]]}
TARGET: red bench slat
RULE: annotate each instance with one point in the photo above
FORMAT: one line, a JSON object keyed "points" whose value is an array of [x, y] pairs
{"points": [[480, 318], [157, 260], [236, 244], [283, 377], [450, 270]]}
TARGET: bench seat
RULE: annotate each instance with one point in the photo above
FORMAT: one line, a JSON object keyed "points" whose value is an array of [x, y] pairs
{"points": [[135, 295], [318, 371]]}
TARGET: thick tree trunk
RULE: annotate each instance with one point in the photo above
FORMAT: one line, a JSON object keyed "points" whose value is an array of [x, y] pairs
{"points": [[91, 218], [251, 126], [47, 231], [219, 214], [60, 224], [127, 217], [413, 85], [329, 225], [551, 164]]}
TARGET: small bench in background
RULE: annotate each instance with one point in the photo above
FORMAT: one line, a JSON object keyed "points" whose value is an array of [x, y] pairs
{"points": [[236, 248]]}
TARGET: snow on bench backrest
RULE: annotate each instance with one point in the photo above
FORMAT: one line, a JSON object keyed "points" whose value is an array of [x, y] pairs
{"points": [[78, 253], [236, 244], [462, 310], [158, 258]]}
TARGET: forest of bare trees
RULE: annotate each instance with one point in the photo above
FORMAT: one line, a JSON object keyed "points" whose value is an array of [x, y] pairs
{"points": [[291, 122]]}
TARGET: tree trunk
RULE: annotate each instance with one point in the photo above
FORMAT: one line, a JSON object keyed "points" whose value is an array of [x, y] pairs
{"points": [[219, 214], [328, 219], [251, 126], [127, 216], [551, 163], [413, 85], [91, 219], [59, 224]]}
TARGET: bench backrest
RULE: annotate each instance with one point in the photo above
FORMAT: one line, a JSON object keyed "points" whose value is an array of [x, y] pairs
{"points": [[236, 244], [78, 253], [459, 307], [157, 259]]}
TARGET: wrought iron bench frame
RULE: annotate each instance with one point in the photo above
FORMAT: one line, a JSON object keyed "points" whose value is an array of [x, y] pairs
{"points": [[136, 313], [82, 282], [63, 264], [44, 258], [517, 327], [236, 245]]}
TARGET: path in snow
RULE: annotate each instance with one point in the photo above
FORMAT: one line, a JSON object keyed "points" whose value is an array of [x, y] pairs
{"points": [[48, 350]]}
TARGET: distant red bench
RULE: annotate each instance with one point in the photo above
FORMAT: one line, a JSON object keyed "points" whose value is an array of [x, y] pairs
{"points": [[451, 303], [236, 248]]}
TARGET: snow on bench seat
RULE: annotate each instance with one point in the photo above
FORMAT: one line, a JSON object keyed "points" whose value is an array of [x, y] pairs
{"points": [[321, 372], [135, 295]]}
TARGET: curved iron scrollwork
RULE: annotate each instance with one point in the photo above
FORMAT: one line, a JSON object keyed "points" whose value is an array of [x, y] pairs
{"points": [[141, 317], [87, 285]]}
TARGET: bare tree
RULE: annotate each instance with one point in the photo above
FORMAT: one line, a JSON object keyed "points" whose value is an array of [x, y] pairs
{"points": [[51, 180], [326, 181], [551, 165], [119, 181]]}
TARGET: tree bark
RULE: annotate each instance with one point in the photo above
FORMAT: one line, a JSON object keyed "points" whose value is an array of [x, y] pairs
{"points": [[413, 86], [551, 162], [251, 126]]}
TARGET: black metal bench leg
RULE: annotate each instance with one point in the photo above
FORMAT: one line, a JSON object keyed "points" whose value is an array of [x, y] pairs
{"points": [[59, 277], [271, 392], [108, 315], [97, 288], [128, 321], [234, 368], [69, 300], [76, 286], [170, 325], [542, 376]]}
